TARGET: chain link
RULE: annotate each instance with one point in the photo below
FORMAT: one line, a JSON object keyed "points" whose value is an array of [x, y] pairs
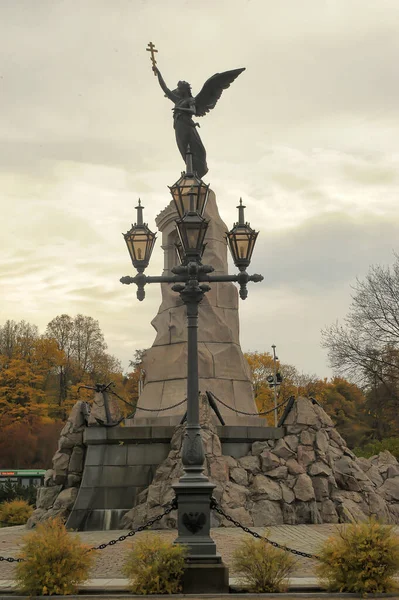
{"points": [[241, 412], [215, 506], [161, 409], [132, 532], [10, 559]]}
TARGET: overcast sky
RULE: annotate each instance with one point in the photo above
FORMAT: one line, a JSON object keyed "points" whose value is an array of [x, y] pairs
{"points": [[307, 135]]}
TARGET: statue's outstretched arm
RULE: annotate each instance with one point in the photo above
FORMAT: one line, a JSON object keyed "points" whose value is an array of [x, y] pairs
{"points": [[164, 87]]}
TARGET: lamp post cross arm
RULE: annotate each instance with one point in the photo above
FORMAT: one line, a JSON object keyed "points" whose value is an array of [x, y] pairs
{"points": [[187, 273]]}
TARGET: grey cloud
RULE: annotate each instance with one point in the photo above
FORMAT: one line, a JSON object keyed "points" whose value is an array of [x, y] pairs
{"points": [[324, 252]]}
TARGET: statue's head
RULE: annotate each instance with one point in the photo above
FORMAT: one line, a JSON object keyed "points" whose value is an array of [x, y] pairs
{"points": [[183, 88]]}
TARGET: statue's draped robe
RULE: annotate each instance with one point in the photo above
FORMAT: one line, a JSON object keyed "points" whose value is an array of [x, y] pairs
{"points": [[187, 134]]}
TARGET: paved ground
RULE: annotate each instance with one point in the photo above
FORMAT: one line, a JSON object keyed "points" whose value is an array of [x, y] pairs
{"points": [[307, 538], [107, 574]]}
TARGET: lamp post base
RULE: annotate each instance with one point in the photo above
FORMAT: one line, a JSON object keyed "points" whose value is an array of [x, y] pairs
{"points": [[206, 577], [204, 573]]}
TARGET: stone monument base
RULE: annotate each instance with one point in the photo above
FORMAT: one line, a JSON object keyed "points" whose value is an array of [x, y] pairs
{"points": [[121, 462]]}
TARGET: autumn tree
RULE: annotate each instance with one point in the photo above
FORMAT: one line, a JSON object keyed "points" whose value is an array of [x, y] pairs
{"points": [[17, 339], [60, 329], [345, 402], [365, 348], [39, 381], [261, 365], [86, 361]]}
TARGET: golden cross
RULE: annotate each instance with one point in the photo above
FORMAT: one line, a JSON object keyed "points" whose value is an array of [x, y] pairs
{"points": [[151, 48]]}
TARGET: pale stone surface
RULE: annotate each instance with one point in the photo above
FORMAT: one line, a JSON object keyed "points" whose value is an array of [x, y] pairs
{"points": [[250, 463], [269, 460], [321, 488], [278, 473], [98, 410], [322, 441], [267, 513], [294, 468], [234, 495], [319, 468], [46, 496], [328, 512], [259, 447], [283, 450], [61, 482], [390, 489], [66, 499], [223, 369], [303, 489], [306, 455], [266, 488], [307, 437], [239, 475], [288, 494]]}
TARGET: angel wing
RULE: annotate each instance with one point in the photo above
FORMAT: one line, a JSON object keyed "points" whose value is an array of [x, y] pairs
{"points": [[212, 90]]}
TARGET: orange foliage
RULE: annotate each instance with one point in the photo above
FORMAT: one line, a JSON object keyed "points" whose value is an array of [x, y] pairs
{"points": [[345, 402]]}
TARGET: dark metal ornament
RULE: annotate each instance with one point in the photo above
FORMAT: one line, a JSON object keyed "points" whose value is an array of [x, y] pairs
{"points": [[194, 522]]}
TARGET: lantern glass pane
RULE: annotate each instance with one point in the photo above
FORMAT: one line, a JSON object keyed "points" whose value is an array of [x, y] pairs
{"points": [[139, 243], [192, 237]]}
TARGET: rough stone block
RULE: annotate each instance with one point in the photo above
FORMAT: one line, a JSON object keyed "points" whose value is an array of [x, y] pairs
{"points": [[66, 499], [239, 475], [77, 459], [267, 513], [303, 489], [46, 496], [266, 488], [321, 488]]}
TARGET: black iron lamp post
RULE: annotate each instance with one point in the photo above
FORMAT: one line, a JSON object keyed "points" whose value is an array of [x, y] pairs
{"points": [[191, 280]]}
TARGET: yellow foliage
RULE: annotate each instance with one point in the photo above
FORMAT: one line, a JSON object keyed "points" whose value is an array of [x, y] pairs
{"points": [[15, 512], [155, 566], [262, 567], [54, 562], [362, 558]]}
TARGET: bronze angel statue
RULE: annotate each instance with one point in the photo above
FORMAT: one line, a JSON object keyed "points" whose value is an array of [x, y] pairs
{"points": [[187, 106]]}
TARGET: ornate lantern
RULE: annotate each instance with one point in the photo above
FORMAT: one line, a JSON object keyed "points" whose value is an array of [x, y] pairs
{"points": [[189, 189], [140, 241], [241, 240], [192, 229]]}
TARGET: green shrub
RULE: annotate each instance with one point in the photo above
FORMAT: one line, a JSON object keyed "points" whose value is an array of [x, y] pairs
{"points": [[262, 567], [375, 447], [362, 558], [15, 512], [54, 562], [12, 491], [155, 566]]}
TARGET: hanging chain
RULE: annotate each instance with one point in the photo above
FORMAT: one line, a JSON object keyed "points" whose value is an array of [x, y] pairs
{"points": [[162, 409], [132, 532], [107, 388], [136, 408], [122, 538], [216, 507], [10, 559], [241, 412]]}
